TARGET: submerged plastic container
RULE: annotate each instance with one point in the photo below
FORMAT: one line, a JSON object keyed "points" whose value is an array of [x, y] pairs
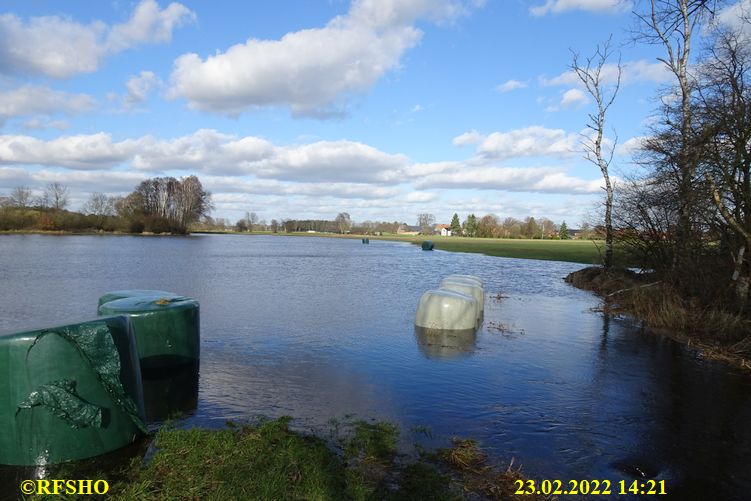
{"points": [[445, 344], [112, 296], [446, 310], [470, 289], [167, 328], [427, 245], [69, 392], [366, 240]]}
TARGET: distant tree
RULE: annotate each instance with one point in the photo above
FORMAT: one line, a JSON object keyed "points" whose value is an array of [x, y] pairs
{"points": [[166, 204], [241, 225], [530, 228], [57, 196], [274, 225], [20, 197], [251, 219], [343, 222], [488, 226], [456, 226], [470, 226], [563, 232], [101, 206], [426, 221]]}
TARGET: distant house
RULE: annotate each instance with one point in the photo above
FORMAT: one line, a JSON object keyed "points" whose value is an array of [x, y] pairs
{"points": [[574, 234], [405, 229], [443, 229]]}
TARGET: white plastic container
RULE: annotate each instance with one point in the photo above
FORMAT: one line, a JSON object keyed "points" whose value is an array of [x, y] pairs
{"points": [[446, 310], [469, 289]]}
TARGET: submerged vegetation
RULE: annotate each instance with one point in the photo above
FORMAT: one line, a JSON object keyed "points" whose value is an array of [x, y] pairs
{"points": [[270, 461]]}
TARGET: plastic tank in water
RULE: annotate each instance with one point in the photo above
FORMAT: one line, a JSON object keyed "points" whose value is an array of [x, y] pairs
{"points": [[446, 310], [470, 289], [167, 329], [112, 296], [69, 392]]}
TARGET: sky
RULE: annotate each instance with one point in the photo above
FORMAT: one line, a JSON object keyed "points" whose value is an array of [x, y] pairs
{"points": [[300, 109]]}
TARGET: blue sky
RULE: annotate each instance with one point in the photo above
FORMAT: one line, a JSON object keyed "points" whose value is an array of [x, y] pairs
{"points": [[305, 108]]}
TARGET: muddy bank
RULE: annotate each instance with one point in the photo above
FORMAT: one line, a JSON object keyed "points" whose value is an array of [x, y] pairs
{"points": [[714, 332]]}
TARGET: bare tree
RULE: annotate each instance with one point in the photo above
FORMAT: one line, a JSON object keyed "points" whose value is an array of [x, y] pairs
{"points": [[591, 74], [57, 196], [672, 23], [21, 197], [343, 222], [425, 221], [723, 108]]}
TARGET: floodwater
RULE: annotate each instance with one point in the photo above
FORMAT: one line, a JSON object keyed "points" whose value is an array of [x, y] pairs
{"points": [[320, 328]]}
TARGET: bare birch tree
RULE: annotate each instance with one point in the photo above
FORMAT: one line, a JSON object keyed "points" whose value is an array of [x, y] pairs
{"points": [[592, 72]]}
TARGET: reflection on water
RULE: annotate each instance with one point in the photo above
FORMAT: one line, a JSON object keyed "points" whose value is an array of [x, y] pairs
{"points": [[319, 328], [437, 343], [170, 392]]}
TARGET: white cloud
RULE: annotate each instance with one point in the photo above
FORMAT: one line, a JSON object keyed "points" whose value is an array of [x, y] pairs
{"points": [[517, 179], [573, 97], [139, 86], [76, 152], [735, 16], [597, 6], [632, 72], [468, 138], [38, 100], [313, 71], [529, 142], [37, 123], [60, 47], [148, 24], [631, 146], [510, 85]]}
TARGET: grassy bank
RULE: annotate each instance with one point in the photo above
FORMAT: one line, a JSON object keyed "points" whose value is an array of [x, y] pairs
{"points": [[712, 330], [269, 461]]}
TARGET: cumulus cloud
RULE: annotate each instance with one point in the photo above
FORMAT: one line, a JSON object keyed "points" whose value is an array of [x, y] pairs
{"points": [[596, 6], [138, 87], [468, 138], [510, 85], [76, 152], [61, 47], [313, 71], [211, 152], [531, 141], [632, 72], [570, 98], [517, 179], [38, 100], [631, 146]]}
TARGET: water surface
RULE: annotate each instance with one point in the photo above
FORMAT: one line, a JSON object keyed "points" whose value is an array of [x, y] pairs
{"points": [[318, 328]]}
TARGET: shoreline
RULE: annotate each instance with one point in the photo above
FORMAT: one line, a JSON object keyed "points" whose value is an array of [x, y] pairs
{"points": [[714, 334]]}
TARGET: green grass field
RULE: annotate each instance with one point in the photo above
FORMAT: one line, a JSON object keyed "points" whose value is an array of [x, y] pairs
{"points": [[577, 251]]}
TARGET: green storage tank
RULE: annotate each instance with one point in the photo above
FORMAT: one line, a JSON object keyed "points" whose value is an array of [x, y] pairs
{"points": [[69, 392], [112, 296], [167, 329]]}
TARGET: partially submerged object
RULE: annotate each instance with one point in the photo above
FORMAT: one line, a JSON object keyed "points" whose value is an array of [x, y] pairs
{"points": [[446, 310], [167, 328], [445, 344], [470, 289], [69, 392], [427, 245], [114, 295]]}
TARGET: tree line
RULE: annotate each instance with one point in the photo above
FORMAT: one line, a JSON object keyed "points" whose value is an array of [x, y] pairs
{"points": [[158, 205]]}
